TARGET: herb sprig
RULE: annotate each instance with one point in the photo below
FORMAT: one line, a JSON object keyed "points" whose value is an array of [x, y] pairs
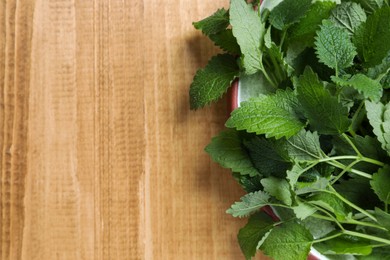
{"points": [[313, 142]]}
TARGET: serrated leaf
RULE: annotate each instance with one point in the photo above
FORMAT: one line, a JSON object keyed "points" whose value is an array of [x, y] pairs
{"points": [[325, 113], [279, 188], [272, 115], [345, 245], [227, 150], [226, 41], [211, 82], [348, 16], [381, 184], [334, 47], [249, 204], [370, 88], [249, 236], [373, 37], [379, 118], [304, 146], [304, 210], [249, 31], [288, 12], [215, 23], [370, 5], [290, 241], [268, 156], [305, 30]]}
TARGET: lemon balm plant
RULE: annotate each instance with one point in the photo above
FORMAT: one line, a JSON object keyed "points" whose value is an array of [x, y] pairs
{"points": [[313, 141]]}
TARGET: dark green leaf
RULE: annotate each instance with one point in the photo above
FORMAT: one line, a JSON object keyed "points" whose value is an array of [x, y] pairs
{"points": [[334, 47], [325, 113], [279, 188], [212, 82], [383, 218], [226, 41], [249, 204], [381, 72], [331, 203], [288, 12], [290, 241], [227, 150], [318, 227], [215, 23], [272, 115], [249, 184], [304, 146], [381, 184], [249, 31], [269, 157], [249, 236]]}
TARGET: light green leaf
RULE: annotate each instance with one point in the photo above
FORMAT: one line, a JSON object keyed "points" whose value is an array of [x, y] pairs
{"points": [[333, 46], [381, 71], [215, 23], [383, 218], [345, 245], [348, 16], [272, 115], [249, 204], [304, 210], [369, 5], [325, 113], [226, 41], [294, 174], [227, 150], [249, 236], [370, 88], [268, 156], [249, 31], [290, 241], [253, 85], [381, 184], [379, 117], [331, 203], [288, 12], [279, 188], [211, 82], [318, 227], [374, 37], [304, 146], [308, 187]]}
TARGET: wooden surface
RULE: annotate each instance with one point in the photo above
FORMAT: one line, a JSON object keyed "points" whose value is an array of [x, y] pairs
{"points": [[100, 156]]}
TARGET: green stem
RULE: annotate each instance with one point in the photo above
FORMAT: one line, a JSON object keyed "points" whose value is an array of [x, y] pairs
{"points": [[283, 38], [350, 221], [369, 237], [268, 78], [357, 172], [329, 216], [327, 238], [352, 145], [352, 205], [348, 168]]}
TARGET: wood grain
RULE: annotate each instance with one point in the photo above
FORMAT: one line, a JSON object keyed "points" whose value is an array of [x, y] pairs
{"points": [[101, 157]]}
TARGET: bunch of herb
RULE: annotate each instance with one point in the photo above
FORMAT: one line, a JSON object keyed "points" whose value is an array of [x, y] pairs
{"points": [[314, 141]]}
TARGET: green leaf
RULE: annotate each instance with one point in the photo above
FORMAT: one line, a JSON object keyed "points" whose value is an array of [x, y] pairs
{"points": [[294, 174], [211, 82], [249, 31], [318, 227], [215, 23], [374, 37], [253, 85], [370, 88], [304, 31], [325, 113], [249, 236], [383, 218], [273, 115], [304, 210], [288, 12], [345, 245], [249, 184], [289, 241], [379, 117], [249, 204], [279, 188], [333, 46], [331, 203], [268, 156], [381, 71], [369, 5], [304, 146], [308, 187], [226, 41], [381, 184], [227, 150], [348, 16]]}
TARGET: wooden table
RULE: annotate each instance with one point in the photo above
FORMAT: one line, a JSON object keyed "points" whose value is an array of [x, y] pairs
{"points": [[101, 157]]}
